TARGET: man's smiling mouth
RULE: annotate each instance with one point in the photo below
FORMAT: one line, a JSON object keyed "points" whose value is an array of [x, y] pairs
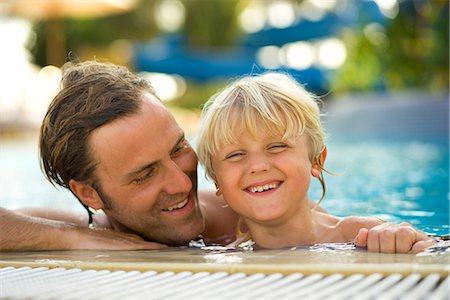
{"points": [[263, 188], [177, 206]]}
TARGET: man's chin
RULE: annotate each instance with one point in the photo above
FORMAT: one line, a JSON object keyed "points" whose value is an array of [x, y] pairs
{"points": [[183, 238], [180, 240]]}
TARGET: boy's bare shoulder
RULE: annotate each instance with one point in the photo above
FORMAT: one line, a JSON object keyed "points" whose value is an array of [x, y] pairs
{"points": [[352, 224], [361, 221]]}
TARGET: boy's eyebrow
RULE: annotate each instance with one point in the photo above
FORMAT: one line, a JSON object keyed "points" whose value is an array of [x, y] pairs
{"points": [[132, 174]]}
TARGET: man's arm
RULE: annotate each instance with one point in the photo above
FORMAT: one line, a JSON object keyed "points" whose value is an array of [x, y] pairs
{"points": [[21, 232]]}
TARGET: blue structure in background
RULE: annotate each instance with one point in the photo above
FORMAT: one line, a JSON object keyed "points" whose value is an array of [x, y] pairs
{"points": [[171, 55]]}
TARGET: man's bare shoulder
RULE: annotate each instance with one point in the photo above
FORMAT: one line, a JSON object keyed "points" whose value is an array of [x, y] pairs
{"points": [[205, 196], [220, 221], [212, 205]]}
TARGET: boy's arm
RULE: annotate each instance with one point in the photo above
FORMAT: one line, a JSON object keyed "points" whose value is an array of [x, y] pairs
{"points": [[21, 232]]}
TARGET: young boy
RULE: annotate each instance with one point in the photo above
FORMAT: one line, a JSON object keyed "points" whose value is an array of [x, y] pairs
{"points": [[261, 141]]}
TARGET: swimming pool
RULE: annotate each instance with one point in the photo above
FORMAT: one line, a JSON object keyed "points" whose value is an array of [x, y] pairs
{"points": [[391, 157]]}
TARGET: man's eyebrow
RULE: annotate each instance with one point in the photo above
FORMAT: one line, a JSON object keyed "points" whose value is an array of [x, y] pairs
{"points": [[134, 173], [180, 139]]}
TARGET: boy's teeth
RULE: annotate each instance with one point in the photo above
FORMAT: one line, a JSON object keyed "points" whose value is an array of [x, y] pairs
{"points": [[261, 188], [177, 206]]}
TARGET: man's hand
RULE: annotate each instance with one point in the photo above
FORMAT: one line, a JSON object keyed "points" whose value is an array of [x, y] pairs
{"points": [[393, 238]]}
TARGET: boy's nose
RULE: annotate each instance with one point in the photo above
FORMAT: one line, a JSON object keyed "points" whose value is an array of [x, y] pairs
{"points": [[258, 163]]}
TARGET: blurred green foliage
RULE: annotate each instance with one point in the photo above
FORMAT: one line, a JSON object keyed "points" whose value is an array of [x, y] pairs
{"points": [[197, 94], [412, 52], [211, 23], [204, 26], [136, 25]]}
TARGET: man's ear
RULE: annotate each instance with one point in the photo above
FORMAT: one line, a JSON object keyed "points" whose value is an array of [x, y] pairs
{"points": [[86, 193], [317, 165]]}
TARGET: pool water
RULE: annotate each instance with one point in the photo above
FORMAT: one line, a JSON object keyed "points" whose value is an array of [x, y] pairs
{"points": [[391, 161], [22, 182], [408, 181], [392, 157]]}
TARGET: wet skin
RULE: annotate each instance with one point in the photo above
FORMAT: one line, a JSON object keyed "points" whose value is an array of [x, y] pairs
{"points": [[264, 179], [147, 172]]}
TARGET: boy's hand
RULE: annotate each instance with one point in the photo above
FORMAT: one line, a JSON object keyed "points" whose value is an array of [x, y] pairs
{"points": [[393, 238]]}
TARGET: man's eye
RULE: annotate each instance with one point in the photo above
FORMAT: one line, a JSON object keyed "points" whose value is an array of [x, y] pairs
{"points": [[180, 147], [144, 177]]}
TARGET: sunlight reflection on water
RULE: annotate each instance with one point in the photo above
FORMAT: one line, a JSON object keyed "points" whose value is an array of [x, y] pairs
{"points": [[396, 181], [403, 176]]}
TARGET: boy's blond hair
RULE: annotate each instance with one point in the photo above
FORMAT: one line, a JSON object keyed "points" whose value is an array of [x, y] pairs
{"points": [[274, 101]]}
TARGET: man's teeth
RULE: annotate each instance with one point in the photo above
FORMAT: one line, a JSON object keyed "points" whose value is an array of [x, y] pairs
{"points": [[177, 206], [262, 188]]}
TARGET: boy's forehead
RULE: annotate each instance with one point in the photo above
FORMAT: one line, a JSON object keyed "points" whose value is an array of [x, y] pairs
{"points": [[255, 127]]}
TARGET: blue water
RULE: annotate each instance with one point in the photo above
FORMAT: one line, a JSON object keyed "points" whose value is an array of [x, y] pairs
{"points": [[391, 161], [392, 156], [397, 181]]}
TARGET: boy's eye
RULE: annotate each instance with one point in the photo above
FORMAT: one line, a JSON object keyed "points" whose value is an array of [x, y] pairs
{"points": [[234, 156], [278, 147]]}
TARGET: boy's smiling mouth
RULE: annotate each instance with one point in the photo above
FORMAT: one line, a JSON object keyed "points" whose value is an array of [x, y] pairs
{"points": [[263, 187]]}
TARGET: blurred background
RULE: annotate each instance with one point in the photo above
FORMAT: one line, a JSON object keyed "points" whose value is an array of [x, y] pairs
{"points": [[380, 66]]}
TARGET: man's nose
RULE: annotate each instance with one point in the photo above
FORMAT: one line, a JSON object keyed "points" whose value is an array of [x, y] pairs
{"points": [[175, 180], [258, 163]]}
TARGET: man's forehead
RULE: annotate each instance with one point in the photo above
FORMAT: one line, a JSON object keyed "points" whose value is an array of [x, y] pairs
{"points": [[150, 99], [153, 122], [151, 106], [136, 139]]}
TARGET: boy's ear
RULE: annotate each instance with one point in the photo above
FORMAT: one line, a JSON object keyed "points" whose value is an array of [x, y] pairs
{"points": [[86, 193], [216, 184], [317, 165]]}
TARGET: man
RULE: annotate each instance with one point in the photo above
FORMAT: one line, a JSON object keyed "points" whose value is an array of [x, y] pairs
{"points": [[109, 140]]}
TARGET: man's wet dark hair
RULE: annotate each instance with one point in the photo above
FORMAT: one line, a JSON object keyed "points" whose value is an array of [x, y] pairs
{"points": [[92, 94]]}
